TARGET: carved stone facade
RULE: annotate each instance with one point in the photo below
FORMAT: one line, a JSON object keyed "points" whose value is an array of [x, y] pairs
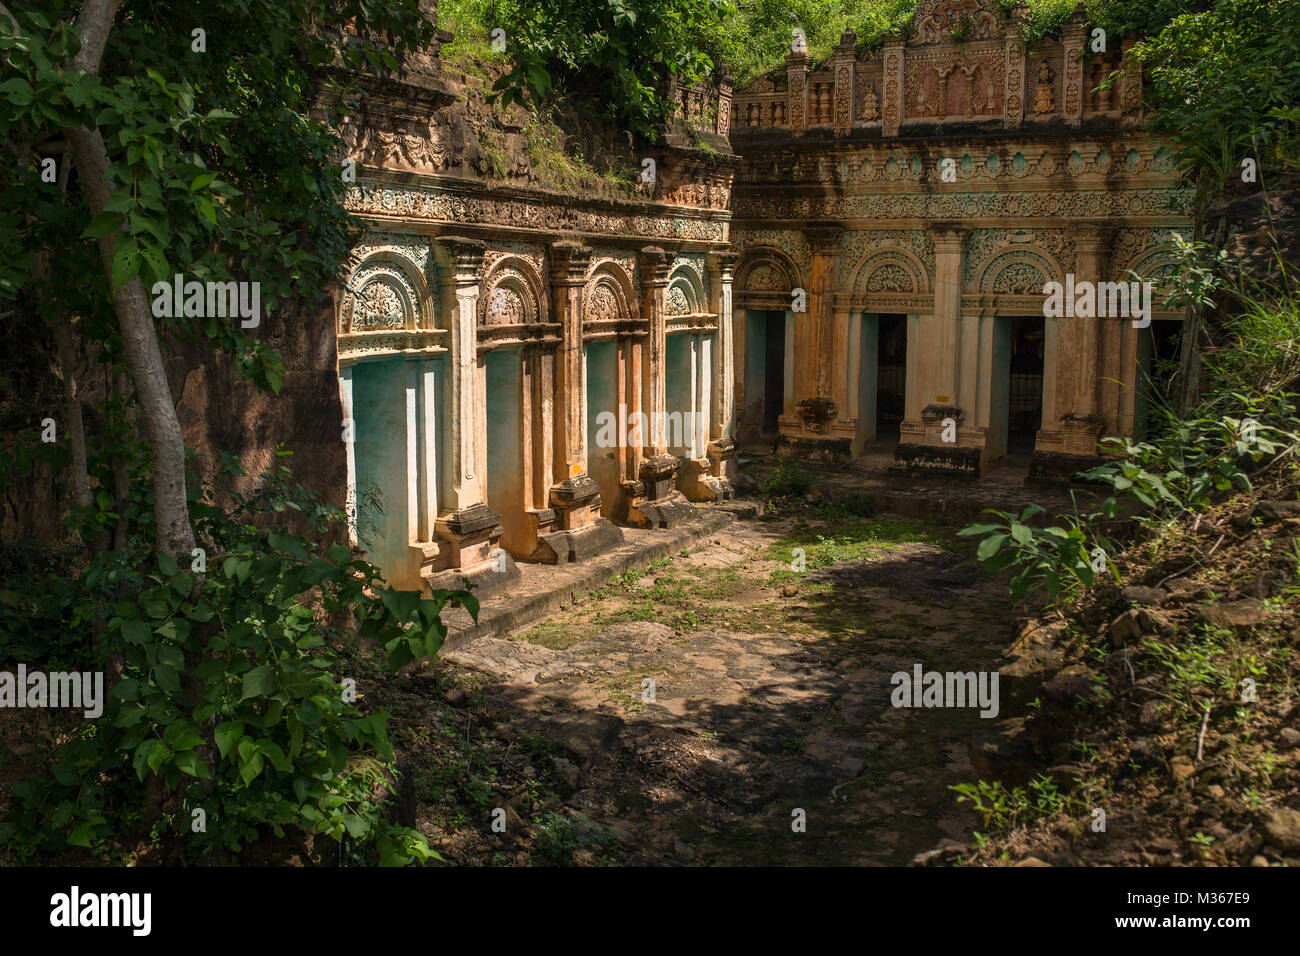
{"points": [[991, 172], [521, 369], [524, 370]]}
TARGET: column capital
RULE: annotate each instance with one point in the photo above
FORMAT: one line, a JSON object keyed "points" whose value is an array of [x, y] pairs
{"points": [[949, 235], [654, 263], [722, 263], [1092, 239], [569, 261], [824, 238], [466, 255]]}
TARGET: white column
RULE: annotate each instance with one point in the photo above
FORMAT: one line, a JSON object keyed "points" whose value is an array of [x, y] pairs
{"points": [[428, 451], [349, 428], [411, 392]]}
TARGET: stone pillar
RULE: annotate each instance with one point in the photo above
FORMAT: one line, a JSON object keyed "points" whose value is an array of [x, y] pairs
{"points": [[349, 432], [796, 68], [891, 96], [662, 506], [1013, 105], [470, 527], [842, 63], [939, 371], [1077, 349], [722, 431], [568, 275], [571, 528], [1072, 41], [1074, 417], [845, 350], [1129, 82], [808, 434], [723, 127]]}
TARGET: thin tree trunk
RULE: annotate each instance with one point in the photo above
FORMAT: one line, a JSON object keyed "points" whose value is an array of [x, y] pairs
{"points": [[175, 536]]}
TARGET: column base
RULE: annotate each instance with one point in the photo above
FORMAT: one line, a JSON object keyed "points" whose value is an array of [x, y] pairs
{"points": [[576, 502], [670, 511], [722, 455], [1061, 453], [695, 480], [580, 544], [658, 474], [835, 450], [469, 555]]}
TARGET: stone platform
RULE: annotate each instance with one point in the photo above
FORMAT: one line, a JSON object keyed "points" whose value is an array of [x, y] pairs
{"points": [[541, 589]]}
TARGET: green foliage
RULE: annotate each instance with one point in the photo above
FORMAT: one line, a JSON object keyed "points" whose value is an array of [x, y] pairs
{"points": [[219, 169], [559, 837], [1192, 461], [619, 53], [1003, 810], [758, 35], [1059, 560], [1226, 86], [227, 692], [789, 479]]}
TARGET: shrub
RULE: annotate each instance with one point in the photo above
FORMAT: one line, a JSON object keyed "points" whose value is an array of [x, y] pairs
{"points": [[226, 696]]}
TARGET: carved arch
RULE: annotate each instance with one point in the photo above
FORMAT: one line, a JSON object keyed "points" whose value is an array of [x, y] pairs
{"points": [[608, 294], [1022, 270], [767, 270], [1155, 263], [685, 293], [386, 292], [513, 294], [889, 269]]}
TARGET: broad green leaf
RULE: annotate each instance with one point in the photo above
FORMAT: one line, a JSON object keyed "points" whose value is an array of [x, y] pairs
{"points": [[259, 682]]}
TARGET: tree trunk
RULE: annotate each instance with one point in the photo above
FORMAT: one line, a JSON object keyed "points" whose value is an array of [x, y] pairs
{"points": [[175, 536]]}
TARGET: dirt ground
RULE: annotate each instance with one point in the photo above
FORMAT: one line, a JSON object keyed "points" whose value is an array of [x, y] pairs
{"points": [[770, 701]]}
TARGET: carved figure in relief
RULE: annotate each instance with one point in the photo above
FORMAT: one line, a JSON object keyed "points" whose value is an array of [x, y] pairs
{"points": [[870, 106], [1044, 99]]}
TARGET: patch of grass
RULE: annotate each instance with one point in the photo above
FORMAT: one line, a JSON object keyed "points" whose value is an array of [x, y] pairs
{"points": [[555, 633], [852, 540]]}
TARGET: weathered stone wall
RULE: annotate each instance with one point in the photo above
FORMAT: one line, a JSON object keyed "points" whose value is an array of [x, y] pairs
{"points": [[951, 179]]}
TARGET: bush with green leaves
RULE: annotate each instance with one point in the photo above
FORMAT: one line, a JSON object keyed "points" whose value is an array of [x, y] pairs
{"points": [[1193, 461], [1059, 560], [228, 695], [1002, 809], [617, 55]]}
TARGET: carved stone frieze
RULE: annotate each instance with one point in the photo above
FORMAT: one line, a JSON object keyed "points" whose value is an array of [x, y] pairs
{"points": [[425, 203]]}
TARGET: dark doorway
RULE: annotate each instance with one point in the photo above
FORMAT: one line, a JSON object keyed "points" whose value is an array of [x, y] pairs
{"points": [[773, 371], [1025, 392], [891, 376]]}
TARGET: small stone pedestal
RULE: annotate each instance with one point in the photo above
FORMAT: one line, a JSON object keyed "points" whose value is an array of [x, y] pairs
{"points": [[581, 532], [932, 455], [474, 555], [662, 506]]}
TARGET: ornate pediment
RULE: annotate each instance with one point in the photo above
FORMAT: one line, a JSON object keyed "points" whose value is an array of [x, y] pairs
{"points": [[936, 21]]}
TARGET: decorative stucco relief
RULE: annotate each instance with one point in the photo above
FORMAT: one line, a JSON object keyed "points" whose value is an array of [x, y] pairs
{"points": [[414, 202], [386, 289], [855, 244], [1019, 272], [959, 206]]}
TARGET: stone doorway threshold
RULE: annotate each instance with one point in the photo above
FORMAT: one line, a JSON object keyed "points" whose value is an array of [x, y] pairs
{"points": [[545, 588], [945, 500]]}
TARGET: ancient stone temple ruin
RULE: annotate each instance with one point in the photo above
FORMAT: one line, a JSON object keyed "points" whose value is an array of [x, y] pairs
{"points": [[839, 259]]}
